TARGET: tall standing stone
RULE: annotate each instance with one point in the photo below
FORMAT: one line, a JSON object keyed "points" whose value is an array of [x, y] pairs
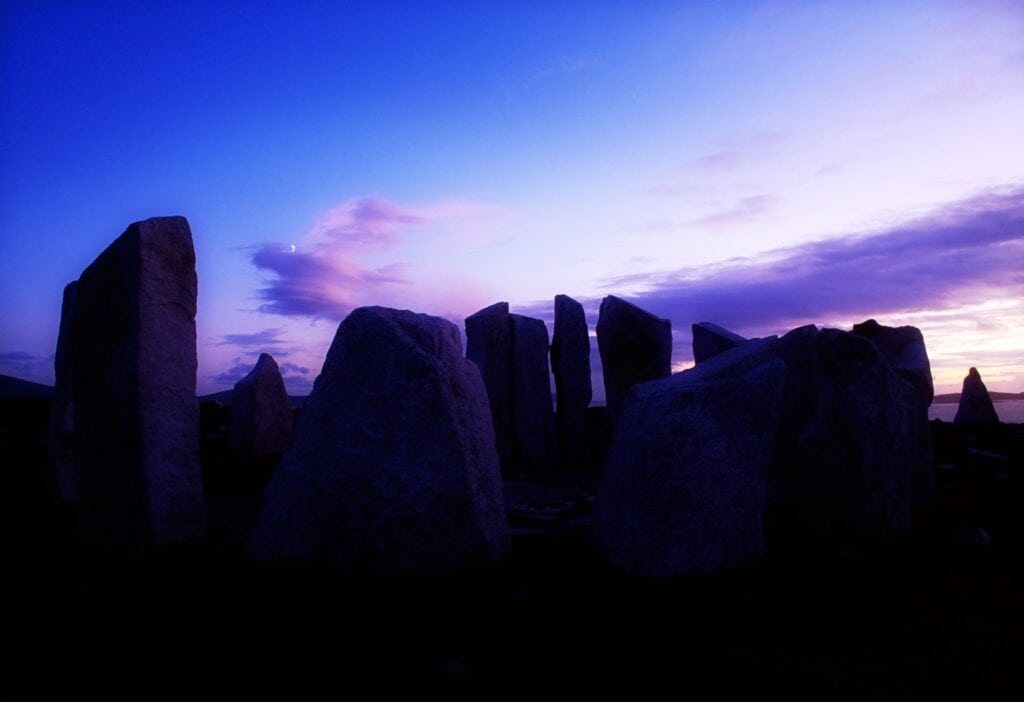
{"points": [[635, 346], [533, 428], [710, 340], [570, 361], [133, 361], [60, 443], [261, 419], [392, 467], [686, 481], [975, 403], [489, 346]]}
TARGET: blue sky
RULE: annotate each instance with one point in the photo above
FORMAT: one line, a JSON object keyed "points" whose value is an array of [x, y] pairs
{"points": [[767, 164]]}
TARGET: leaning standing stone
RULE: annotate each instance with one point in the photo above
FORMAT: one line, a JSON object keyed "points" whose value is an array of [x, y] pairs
{"points": [[489, 346], [635, 346], [133, 349], [533, 428], [975, 403], [261, 419], [393, 466], [686, 481], [570, 361], [60, 444], [710, 340]]}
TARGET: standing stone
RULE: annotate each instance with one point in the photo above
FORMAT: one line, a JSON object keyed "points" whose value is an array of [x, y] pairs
{"points": [[635, 346], [393, 466], [798, 349], [60, 443], [975, 403], [261, 419], [570, 361], [533, 428], [858, 456], [710, 340], [904, 348], [686, 481], [489, 346], [133, 361]]}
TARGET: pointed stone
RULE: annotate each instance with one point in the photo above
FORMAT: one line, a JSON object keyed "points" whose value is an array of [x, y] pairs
{"points": [[710, 340], [570, 361], [635, 346], [489, 346], [686, 480], [133, 351], [60, 443], [392, 466], [533, 427], [975, 403], [261, 418]]}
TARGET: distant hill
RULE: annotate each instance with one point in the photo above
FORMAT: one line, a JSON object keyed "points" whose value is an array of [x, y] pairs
{"points": [[954, 397], [11, 387]]}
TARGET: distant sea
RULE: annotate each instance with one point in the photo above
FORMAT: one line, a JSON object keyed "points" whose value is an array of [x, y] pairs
{"points": [[1009, 411]]}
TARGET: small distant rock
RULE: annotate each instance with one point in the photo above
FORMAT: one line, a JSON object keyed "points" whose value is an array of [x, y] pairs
{"points": [[975, 404], [710, 340], [570, 361], [635, 346], [686, 481], [393, 466], [261, 419]]}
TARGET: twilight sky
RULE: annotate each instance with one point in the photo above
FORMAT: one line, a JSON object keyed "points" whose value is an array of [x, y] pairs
{"points": [[760, 165]]}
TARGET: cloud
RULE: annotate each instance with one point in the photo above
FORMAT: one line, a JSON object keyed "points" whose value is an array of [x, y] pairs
{"points": [[744, 210], [265, 337], [966, 251], [27, 366], [325, 277]]}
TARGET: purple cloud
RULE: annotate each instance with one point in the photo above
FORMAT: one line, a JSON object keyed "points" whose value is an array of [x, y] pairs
{"points": [[959, 253], [746, 209], [265, 337]]}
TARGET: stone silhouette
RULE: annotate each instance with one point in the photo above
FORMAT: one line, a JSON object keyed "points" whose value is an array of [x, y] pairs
{"points": [[686, 480], [904, 348], [489, 346], [60, 443], [975, 403], [133, 364], [570, 361], [261, 419], [858, 456], [635, 346], [533, 429], [393, 466], [710, 340]]}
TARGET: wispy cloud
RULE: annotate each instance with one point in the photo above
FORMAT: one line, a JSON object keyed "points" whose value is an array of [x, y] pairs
{"points": [[27, 366], [966, 251], [325, 276], [744, 210], [265, 337]]}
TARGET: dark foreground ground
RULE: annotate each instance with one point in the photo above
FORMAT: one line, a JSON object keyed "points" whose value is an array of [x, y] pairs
{"points": [[937, 614]]}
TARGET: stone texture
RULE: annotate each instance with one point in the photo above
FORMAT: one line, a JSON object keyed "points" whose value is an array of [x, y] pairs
{"points": [[570, 361], [60, 443], [858, 455], [710, 340], [533, 428], [392, 466], [635, 346], [261, 419], [799, 351], [133, 350], [489, 346], [685, 484], [904, 348], [975, 403]]}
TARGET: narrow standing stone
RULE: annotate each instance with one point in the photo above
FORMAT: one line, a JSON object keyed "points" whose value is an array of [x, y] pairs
{"points": [[570, 361], [133, 363], [489, 346], [635, 346], [975, 403], [261, 420], [60, 460], [533, 428]]}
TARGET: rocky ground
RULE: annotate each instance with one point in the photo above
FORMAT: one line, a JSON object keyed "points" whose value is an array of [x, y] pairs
{"points": [[941, 613]]}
